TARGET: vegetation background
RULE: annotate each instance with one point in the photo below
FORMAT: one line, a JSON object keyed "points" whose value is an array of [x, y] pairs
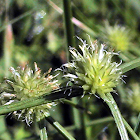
{"points": [[33, 31]]}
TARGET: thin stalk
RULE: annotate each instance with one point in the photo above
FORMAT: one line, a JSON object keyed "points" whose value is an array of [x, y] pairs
{"points": [[75, 21], [137, 127], [130, 130], [77, 106], [4, 133], [28, 13], [42, 129], [91, 123], [43, 134], [76, 117], [53, 96], [117, 116], [135, 50], [129, 55], [124, 57], [81, 18], [130, 65], [94, 122], [100, 121], [83, 122], [8, 47], [79, 121], [121, 92], [69, 31], [60, 129]]}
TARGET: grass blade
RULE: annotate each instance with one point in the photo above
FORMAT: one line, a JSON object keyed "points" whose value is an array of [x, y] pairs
{"points": [[117, 116], [60, 129], [130, 65], [68, 92]]}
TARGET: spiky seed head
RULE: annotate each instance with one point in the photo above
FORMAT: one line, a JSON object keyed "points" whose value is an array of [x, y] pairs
{"points": [[133, 97], [117, 36], [93, 69], [27, 83]]}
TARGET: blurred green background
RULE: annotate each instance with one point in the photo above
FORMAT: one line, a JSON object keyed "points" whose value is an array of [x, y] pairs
{"points": [[33, 31]]}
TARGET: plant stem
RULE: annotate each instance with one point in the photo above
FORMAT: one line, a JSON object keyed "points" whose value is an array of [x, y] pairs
{"points": [[135, 50], [127, 59], [79, 121], [43, 134], [94, 122], [77, 106], [77, 22], [121, 92], [130, 130], [76, 118], [68, 25], [83, 122], [91, 123], [124, 57], [80, 131], [4, 133], [137, 127], [129, 55], [117, 116], [60, 129], [8, 46], [28, 13], [130, 65], [42, 128], [53, 96]]}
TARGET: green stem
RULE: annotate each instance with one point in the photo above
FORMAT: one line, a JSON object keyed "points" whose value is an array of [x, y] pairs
{"points": [[77, 106], [135, 50], [79, 121], [130, 65], [124, 57], [121, 92], [68, 25], [91, 123], [117, 116], [94, 122], [28, 13], [130, 130], [43, 134], [129, 55], [77, 22], [76, 119], [71, 42], [60, 129], [53, 96], [42, 128], [4, 133], [8, 46], [137, 127], [83, 122], [127, 59]]}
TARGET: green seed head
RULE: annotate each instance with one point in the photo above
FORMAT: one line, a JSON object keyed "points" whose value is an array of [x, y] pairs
{"points": [[133, 97], [93, 69], [117, 37], [26, 83]]}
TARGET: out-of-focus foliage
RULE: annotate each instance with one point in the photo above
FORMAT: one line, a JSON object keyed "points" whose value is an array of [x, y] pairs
{"points": [[33, 31]]}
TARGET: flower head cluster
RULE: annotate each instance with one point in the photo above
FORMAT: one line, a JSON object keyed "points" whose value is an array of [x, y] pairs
{"points": [[133, 97], [93, 69], [25, 84], [117, 37]]}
